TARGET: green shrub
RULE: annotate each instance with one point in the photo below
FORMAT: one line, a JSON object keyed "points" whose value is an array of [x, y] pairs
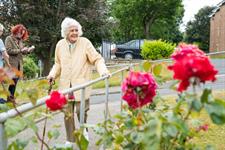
{"points": [[157, 49], [30, 69]]}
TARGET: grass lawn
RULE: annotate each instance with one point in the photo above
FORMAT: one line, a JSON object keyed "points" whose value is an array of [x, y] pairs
{"points": [[220, 56], [216, 133]]}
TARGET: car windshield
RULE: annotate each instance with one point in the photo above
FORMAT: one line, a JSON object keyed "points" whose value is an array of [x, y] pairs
{"points": [[132, 44]]}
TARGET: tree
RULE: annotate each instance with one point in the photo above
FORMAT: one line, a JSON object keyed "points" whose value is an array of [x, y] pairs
{"points": [[43, 19], [197, 31], [136, 17], [167, 30]]}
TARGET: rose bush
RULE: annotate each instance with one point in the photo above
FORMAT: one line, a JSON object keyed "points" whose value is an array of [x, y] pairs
{"points": [[150, 122], [164, 124]]}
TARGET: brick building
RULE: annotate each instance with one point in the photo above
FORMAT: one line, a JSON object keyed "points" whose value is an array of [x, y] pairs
{"points": [[217, 28]]}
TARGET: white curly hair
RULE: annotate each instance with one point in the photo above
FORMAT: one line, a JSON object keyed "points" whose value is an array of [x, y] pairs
{"points": [[68, 22], [1, 27]]}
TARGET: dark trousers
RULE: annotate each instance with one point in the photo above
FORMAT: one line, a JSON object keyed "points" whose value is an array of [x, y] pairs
{"points": [[69, 118], [12, 87]]}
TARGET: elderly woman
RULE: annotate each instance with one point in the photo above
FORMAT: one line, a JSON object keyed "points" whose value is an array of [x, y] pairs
{"points": [[74, 56], [16, 49], [3, 53]]}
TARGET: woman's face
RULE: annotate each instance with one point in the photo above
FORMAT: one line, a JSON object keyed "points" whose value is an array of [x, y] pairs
{"points": [[20, 34], [72, 35]]}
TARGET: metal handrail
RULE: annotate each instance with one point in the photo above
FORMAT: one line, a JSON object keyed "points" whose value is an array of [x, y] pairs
{"points": [[29, 106], [41, 101]]}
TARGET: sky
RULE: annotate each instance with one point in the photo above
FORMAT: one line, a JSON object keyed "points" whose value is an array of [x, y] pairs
{"points": [[193, 6]]}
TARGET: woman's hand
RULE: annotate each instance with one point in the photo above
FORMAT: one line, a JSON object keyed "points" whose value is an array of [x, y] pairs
{"points": [[24, 50], [30, 49], [50, 79]]}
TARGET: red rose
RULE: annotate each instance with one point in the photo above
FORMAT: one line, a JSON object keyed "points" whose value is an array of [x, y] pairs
{"points": [[190, 63], [56, 101], [139, 89], [186, 50]]}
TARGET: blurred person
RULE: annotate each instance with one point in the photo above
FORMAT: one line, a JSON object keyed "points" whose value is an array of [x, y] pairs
{"points": [[15, 47], [74, 57], [3, 53]]}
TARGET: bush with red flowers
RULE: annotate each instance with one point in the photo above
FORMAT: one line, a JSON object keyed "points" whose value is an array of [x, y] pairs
{"points": [[164, 124], [148, 121]]}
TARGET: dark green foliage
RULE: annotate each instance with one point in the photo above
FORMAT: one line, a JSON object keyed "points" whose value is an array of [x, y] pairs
{"points": [[43, 19], [167, 30], [198, 30], [30, 69], [157, 49], [135, 19]]}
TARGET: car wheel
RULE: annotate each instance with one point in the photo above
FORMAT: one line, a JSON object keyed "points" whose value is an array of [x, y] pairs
{"points": [[128, 56]]}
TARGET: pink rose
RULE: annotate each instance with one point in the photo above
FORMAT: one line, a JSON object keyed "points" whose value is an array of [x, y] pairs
{"points": [[203, 127], [139, 89], [56, 101]]}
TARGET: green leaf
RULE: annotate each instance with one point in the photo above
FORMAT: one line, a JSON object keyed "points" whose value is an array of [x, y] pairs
{"points": [[18, 144], [171, 130], [83, 143], [53, 134], [14, 125], [4, 107], [31, 123], [157, 69], [205, 95], [34, 139], [33, 94], [197, 105], [173, 86], [216, 110], [119, 138], [165, 73], [147, 65], [136, 137], [217, 119]]}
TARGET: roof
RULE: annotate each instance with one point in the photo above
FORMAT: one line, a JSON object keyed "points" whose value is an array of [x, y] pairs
{"points": [[218, 6]]}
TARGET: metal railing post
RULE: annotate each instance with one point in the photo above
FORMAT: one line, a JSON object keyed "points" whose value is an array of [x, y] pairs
{"points": [[3, 138], [106, 98], [82, 106], [121, 94]]}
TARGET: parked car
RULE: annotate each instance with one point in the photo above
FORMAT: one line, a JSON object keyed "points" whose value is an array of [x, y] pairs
{"points": [[129, 50]]}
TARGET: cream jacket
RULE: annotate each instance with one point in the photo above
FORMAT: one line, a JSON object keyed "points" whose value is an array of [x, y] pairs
{"points": [[73, 65]]}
